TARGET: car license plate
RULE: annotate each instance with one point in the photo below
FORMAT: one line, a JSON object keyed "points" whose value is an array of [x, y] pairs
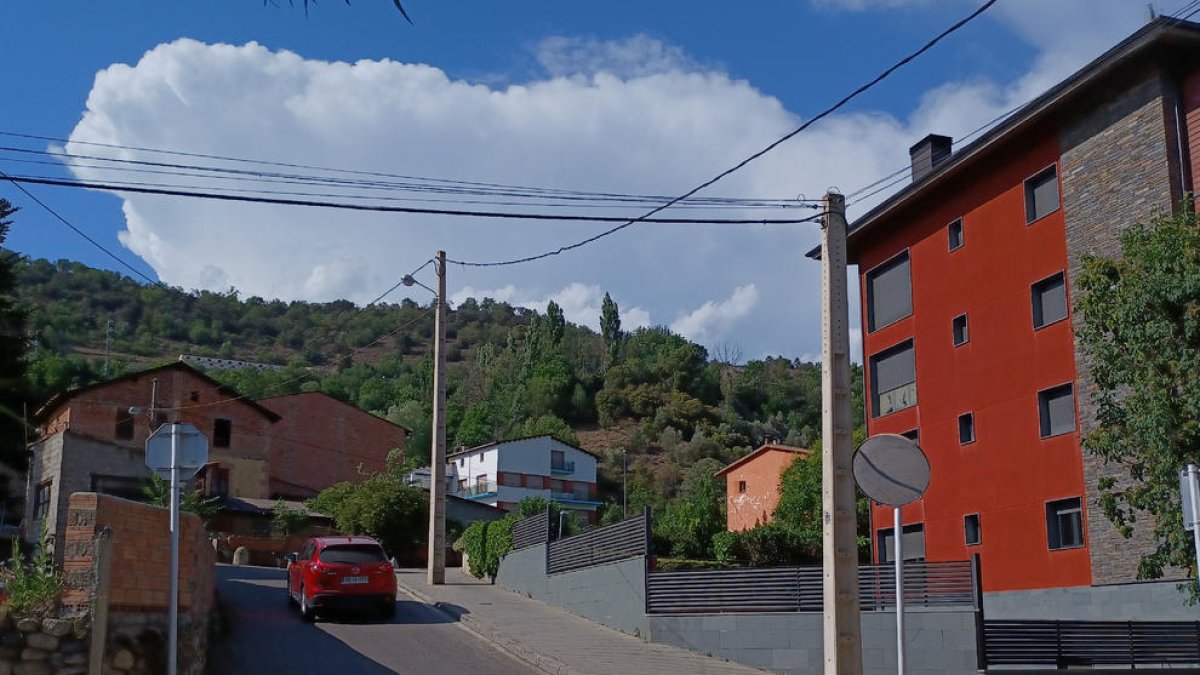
{"points": [[346, 581]]}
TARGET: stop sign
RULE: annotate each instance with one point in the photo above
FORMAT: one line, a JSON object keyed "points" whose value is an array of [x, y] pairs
{"points": [[191, 450]]}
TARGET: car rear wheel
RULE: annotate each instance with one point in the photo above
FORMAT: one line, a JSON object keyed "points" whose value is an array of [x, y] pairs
{"points": [[306, 611], [389, 609]]}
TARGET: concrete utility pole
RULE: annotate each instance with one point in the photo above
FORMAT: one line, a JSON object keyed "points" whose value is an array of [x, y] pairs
{"points": [[843, 640], [437, 469]]}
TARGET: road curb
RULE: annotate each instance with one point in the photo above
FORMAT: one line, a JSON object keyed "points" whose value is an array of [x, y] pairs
{"points": [[489, 634]]}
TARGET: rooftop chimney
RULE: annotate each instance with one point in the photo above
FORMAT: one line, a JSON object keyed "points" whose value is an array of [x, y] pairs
{"points": [[928, 153]]}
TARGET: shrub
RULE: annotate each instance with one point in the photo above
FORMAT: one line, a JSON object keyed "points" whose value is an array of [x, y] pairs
{"points": [[474, 543], [34, 588], [728, 547]]}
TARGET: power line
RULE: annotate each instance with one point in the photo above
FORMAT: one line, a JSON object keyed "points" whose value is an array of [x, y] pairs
{"points": [[542, 201], [890, 178], [825, 113], [418, 182], [78, 231], [133, 187]]}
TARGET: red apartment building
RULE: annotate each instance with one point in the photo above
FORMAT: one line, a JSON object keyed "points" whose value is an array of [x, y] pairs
{"points": [[967, 277]]}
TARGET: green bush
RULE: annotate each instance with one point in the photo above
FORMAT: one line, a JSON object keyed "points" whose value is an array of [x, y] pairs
{"points": [[499, 542], [34, 588], [474, 544], [728, 547]]}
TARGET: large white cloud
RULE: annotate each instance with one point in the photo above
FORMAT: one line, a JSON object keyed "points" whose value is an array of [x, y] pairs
{"points": [[631, 116], [581, 303], [714, 319]]}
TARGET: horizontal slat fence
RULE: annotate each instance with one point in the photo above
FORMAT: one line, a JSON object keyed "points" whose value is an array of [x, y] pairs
{"points": [[626, 539], [1086, 643], [531, 531], [799, 589]]}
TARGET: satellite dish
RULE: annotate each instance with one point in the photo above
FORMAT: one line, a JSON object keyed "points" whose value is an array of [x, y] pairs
{"points": [[891, 469]]}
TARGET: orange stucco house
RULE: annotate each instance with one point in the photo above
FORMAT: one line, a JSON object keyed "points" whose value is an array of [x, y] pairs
{"points": [[752, 484]]}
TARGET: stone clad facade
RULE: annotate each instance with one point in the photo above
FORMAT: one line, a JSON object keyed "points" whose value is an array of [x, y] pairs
{"points": [[1121, 164]]}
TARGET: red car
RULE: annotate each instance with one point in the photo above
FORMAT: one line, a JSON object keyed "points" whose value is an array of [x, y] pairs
{"points": [[332, 573]]}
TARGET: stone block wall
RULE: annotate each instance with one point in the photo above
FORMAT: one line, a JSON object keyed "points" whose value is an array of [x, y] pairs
{"points": [[1120, 166], [50, 646], [139, 580]]}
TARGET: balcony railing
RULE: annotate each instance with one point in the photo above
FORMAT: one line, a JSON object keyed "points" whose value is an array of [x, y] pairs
{"points": [[562, 467], [477, 488]]}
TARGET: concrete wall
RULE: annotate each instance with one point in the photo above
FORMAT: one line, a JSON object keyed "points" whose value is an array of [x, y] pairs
{"points": [[612, 594], [939, 641], [1118, 169], [1145, 601], [70, 462]]}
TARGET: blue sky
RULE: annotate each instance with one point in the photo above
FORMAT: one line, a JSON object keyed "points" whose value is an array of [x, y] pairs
{"points": [[625, 96]]}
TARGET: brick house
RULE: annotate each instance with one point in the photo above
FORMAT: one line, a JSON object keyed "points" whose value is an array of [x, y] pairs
{"points": [[92, 439], [967, 277], [752, 484], [502, 473], [320, 441]]}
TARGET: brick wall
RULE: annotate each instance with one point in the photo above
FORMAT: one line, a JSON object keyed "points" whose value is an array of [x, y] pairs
{"points": [[1119, 167], [322, 441], [139, 579], [141, 551]]}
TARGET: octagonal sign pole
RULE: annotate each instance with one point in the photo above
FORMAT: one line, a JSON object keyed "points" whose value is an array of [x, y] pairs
{"points": [[175, 451], [892, 470]]}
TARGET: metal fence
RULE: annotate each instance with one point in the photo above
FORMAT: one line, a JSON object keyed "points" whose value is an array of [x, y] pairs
{"points": [[626, 539], [1090, 643], [799, 589], [531, 531]]}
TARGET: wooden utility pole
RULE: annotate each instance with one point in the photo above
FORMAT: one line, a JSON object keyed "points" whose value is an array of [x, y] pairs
{"points": [[843, 639], [437, 468]]}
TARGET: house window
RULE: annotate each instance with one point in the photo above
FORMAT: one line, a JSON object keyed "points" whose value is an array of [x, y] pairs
{"points": [[41, 501], [914, 543], [124, 430], [1064, 524], [462, 484], [558, 459], [913, 435], [511, 479], [971, 529], [1049, 298], [556, 485], [1041, 195], [1056, 410], [958, 327], [462, 461], [893, 379], [222, 431], [581, 491], [889, 292], [955, 233], [966, 428], [194, 396], [741, 486]]}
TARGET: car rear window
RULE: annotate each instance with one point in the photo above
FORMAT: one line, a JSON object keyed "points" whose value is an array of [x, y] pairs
{"points": [[355, 554]]}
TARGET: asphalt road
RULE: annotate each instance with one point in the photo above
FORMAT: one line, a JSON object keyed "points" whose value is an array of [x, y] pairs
{"points": [[266, 637]]}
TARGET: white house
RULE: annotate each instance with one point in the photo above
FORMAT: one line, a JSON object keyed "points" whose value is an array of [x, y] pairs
{"points": [[502, 473]]}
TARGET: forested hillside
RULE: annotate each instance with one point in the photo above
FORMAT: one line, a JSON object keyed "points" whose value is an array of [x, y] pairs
{"points": [[513, 371]]}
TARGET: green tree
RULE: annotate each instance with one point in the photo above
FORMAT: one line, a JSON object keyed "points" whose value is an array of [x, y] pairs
{"points": [[610, 329], [13, 346], [382, 506], [689, 522], [800, 503], [157, 491], [1139, 327]]}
